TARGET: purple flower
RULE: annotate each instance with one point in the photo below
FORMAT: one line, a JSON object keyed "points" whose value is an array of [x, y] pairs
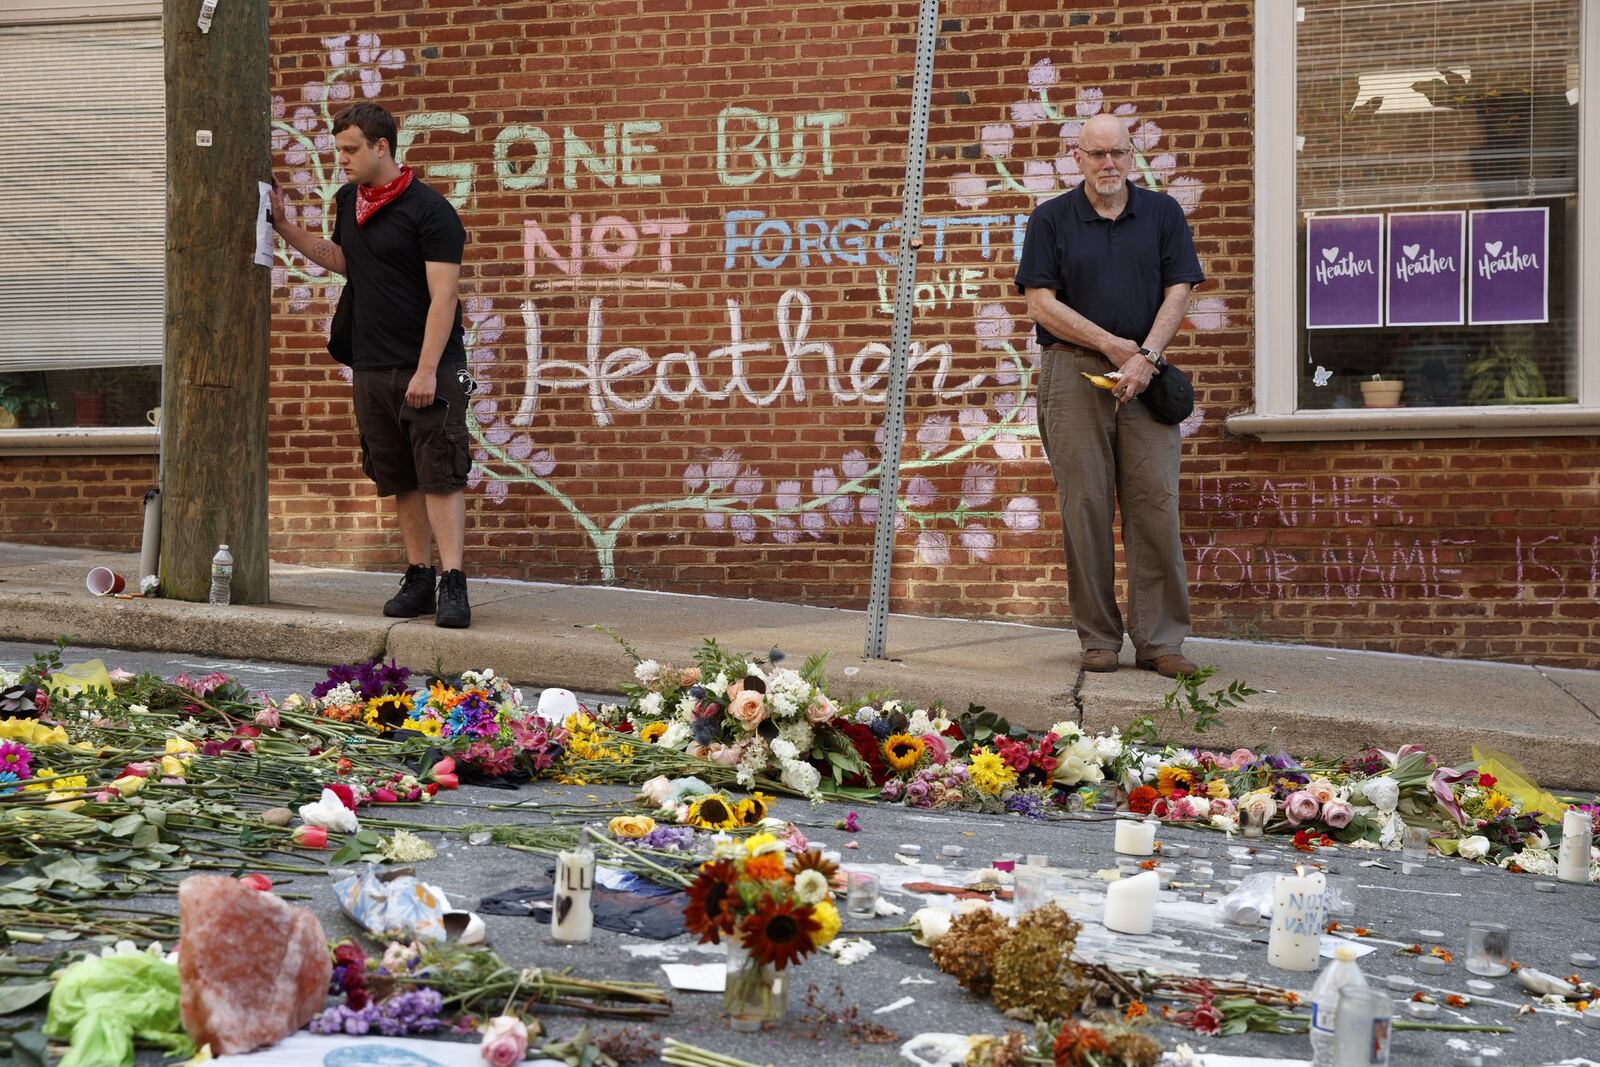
{"points": [[337, 676], [848, 824], [1029, 804], [892, 790], [669, 838], [917, 793]]}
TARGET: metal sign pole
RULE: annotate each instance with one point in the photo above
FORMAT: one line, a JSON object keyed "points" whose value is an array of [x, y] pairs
{"points": [[894, 415]]}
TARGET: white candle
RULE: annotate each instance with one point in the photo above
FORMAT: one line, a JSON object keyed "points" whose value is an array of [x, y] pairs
{"points": [[1298, 904], [1135, 838], [1131, 904], [1572, 859], [573, 919]]}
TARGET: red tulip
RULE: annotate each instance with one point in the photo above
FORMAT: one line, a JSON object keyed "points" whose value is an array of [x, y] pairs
{"points": [[447, 781], [444, 766], [384, 796], [310, 836], [261, 881]]}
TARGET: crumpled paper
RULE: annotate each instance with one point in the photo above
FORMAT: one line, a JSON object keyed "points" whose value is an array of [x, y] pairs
{"points": [[394, 904], [102, 1004]]}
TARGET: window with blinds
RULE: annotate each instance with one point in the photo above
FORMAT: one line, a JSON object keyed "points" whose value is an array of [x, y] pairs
{"points": [[1408, 112], [82, 196]]}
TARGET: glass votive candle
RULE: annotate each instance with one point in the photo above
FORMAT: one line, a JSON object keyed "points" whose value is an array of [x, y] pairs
{"points": [[861, 895], [1414, 843], [1361, 1028], [1030, 887], [1488, 949], [1342, 894], [1252, 822]]}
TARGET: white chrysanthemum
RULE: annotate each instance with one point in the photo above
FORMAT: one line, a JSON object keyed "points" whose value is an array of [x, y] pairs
{"points": [[811, 886], [646, 671], [650, 706], [784, 750], [1149, 766], [1532, 860], [1108, 746], [686, 706], [1185, 759]]}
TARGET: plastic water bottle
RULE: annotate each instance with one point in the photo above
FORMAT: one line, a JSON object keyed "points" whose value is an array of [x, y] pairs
{"points": [[221, 575], [1335, 976]]}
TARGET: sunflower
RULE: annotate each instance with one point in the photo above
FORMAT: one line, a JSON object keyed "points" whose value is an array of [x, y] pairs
{"points": [[1171, 779], [780, 933], [385, 713], [652, 730], [709, 912], [902, 751], [754, 808], [1494, 802], [812, 859], [712, 812]]}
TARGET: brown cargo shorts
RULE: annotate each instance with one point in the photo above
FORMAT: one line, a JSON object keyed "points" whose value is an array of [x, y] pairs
{"points": [[404, 449]]}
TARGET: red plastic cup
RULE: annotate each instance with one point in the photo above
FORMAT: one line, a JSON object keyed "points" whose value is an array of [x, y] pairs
{"points": [[103, 581]]}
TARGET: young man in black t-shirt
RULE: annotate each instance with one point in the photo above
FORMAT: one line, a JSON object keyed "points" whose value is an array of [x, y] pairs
{"points": [[399, 245]]}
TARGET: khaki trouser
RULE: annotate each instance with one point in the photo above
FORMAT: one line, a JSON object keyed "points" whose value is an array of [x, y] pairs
{"points": [[1095, 445]]}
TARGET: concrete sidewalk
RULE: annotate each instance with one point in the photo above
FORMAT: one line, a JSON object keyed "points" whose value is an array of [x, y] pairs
{"points": [[1311, 700]]}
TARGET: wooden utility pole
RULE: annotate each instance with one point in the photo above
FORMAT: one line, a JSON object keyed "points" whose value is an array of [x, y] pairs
{"points": [[214, 387]]}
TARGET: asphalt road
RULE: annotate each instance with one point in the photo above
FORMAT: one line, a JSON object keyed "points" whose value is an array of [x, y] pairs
{"points": [[1189, 937]]}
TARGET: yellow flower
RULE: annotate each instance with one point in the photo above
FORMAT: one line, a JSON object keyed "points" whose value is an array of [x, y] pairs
{"points": [[712, 812], [32, 732], [1171, 779], [827, 917], [761, 844], [902, 751], [128, 784], [632, 826], [989, 773], [385, 713], [178, 746], [428, 726], [652, 730], [1217, 789], [754, 808], [173, 767], [1494, 802]]}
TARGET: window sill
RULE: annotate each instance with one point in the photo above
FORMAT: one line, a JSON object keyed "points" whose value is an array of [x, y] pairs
{"points": [[82, 441], [1388, 424]]}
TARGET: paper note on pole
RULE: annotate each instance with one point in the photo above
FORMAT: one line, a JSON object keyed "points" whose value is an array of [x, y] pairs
{"points": [[207, 9], [264, 225]]}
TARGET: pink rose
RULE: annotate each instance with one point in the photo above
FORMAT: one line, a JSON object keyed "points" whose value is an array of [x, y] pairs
{"points": [[268, 719], [1338, 813], [749, 708], [505, 1041], [1300, 807], [734, 689], [821, 710], [657, 790], [1322, 789], [1242, 757], [1224, 807], [727, 755], [938, 751]]}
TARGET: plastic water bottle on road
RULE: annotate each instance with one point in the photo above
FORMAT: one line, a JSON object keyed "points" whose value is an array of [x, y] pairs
{"points": [[221, 575], [1325, 1001]]}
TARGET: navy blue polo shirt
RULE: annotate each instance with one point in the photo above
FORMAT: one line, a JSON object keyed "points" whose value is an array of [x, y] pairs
{"points": [[1110, 271]]}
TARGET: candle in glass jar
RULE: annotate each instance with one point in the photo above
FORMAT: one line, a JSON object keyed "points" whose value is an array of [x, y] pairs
{"points": [[573, 919], [1135, 838], [1131, 904], [1572, 859], [1298, 904]]}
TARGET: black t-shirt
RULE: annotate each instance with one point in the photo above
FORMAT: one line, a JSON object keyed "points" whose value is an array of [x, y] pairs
{"points": [[1112, 272], [386, 265]]}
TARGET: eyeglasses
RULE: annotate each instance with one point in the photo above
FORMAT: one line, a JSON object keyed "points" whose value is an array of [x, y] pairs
{"points": [[1116, 154]]}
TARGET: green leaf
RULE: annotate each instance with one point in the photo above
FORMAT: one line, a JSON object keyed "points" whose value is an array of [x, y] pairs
{"points": [[17, 998]]}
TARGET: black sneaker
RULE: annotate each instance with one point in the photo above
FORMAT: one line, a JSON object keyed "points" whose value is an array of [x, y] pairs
{"points": [[415, 596], [454, 611]]}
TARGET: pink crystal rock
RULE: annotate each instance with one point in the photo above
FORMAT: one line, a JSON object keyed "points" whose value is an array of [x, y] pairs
{"points": [[252, 969]]}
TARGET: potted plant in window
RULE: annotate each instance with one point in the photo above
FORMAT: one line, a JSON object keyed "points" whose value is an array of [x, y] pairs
{"points": [[1382, 390], [1505, 376], [20, 396]]}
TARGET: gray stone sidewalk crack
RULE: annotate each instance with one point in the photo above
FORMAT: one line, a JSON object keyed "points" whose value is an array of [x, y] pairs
{"points": [[1575, 697], [1077, 696]]}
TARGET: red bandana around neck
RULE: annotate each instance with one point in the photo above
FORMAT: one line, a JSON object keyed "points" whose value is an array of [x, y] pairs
{"points": [[370, 198]]}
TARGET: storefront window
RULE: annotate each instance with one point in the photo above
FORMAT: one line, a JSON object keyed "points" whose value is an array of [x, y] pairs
{"points": [[1436, 195], [74, 397]]}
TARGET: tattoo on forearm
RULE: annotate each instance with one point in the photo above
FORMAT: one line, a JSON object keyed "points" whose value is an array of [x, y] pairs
{"points": [[322, 250]]}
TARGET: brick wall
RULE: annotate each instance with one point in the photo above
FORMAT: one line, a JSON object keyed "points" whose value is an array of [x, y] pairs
{"points": [[682, 228]]}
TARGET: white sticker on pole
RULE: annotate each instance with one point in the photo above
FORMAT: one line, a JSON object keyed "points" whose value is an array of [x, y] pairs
{"points": [[207, 9], [264, 225]]}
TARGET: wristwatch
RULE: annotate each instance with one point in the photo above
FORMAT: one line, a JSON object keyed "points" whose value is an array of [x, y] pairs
{"points": [[1156, 358]]}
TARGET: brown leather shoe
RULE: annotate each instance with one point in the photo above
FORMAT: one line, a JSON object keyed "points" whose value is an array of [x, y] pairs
{"points": [[1169, 666], [1099, 660]]}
